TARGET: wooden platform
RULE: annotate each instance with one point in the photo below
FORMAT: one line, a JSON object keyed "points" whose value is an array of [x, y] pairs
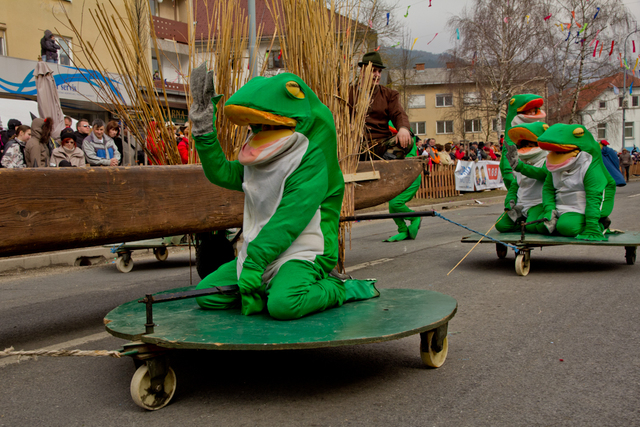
{"points": [[397, 313], [629, 238], [48, 209]]}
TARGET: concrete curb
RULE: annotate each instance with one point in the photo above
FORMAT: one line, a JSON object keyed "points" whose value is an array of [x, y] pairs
{"points": [[75, 257]]}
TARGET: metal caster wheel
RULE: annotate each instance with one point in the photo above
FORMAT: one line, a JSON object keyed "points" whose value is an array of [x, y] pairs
{"points": [[161, 253], [523, 263], [124, 264], [432, 356], [144, 396], [501, 251]]}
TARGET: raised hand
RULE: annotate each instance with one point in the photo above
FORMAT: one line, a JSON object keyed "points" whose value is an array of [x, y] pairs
{"points": [[203, 108]]}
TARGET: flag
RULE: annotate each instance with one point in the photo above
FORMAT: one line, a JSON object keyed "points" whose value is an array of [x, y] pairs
{"points": [[615, 89], [458, 33], [414, 43], [631, 88], [387, 18]]}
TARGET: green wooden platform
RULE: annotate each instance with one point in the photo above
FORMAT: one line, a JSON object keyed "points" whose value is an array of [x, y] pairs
{"points": [[628, 238], [397, 313]]}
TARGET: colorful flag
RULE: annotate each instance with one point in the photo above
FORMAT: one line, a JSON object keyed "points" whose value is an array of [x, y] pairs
{"points": [[615, 89]]}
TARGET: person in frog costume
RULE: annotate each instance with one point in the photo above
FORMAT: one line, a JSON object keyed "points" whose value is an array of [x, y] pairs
{"points": [[288, 169], [399, 203], [527, 160], [578, 192], [522, 109]]}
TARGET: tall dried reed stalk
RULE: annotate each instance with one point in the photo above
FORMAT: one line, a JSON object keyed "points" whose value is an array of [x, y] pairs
{"points": [[318, 42]]}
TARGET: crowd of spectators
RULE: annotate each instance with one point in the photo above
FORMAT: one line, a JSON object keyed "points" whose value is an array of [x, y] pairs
{"points": [[452, 152]]}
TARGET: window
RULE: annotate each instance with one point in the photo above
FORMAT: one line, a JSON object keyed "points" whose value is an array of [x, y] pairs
{"points": [[417, 101], [444, 100], [472, 126], [418, 128], [274, 59], [155, 64], [471, 98], [503, 124], [602, 105], [628, 130], [153, 7], [620, 101], [445, 126], [634, 101], [3, 45], [65, 54], [602, 130]]}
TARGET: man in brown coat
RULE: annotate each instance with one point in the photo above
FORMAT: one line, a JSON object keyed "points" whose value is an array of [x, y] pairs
{"points": [[385, 106], [625, 161]]}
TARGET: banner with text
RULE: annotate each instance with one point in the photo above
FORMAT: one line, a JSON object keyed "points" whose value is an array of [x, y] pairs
{"points": [[481, 175]]}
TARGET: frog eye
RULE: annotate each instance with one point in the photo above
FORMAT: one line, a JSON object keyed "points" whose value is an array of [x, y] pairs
{"points": [[578, 132], [513, 101], [294, 89], [545, 127]]}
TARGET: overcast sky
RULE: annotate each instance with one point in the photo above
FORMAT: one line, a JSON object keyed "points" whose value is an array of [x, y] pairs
{"points": [[424, 21]]}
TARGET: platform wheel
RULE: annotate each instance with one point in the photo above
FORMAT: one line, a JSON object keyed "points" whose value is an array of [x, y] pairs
{"points": [[430, 357], [630, 254], [124, 264], [523, 263], [147, 398], [501, 250], [161, 254]]}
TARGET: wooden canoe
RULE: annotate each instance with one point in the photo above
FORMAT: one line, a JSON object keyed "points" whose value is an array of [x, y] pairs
{"points": [[48, 209]]}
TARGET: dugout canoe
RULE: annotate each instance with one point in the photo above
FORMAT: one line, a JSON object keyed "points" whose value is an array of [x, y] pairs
{"points": [[47, 209]]}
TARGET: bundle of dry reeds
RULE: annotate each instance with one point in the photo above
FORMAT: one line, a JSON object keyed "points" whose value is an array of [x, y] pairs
{"points": [[319, 43]]}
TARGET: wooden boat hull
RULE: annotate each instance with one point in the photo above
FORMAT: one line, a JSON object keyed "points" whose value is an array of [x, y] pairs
{"points": [[50, 209]]}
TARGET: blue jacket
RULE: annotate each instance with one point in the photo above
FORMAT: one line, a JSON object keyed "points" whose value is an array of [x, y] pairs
{"points": [[610, 159], [100, 153]]}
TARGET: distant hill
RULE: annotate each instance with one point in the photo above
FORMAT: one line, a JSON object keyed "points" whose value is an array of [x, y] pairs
{"points": [[393, 56]]}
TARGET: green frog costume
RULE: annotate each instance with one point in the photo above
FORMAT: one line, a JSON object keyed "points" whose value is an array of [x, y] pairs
{"points": [[289, 172], [578, 193], [524, 198], [522, 109]]}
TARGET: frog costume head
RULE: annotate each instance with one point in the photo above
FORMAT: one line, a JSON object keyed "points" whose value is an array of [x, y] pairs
{"points": [[565, 142], [276, 107], [525, 137]]}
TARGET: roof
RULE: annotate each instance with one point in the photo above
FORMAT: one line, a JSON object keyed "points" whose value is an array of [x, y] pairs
{"points": [[589, 93], [428, 76]]}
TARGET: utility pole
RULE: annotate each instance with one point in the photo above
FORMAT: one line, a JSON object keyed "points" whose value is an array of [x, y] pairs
{"points": [[252, 38], [624, 87]]}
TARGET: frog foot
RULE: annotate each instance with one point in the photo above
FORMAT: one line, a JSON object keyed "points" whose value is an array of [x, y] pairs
{"points": [[398, 237], [358, 290], [414, 227], [595, 237]]}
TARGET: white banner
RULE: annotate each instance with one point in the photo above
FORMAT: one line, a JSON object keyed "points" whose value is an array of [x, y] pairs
{"points": [[478, 176]]}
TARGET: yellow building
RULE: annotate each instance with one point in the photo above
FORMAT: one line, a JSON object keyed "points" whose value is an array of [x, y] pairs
{"points": [[443, 106]]}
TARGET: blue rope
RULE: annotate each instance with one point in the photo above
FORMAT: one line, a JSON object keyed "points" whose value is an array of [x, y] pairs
{"points": [[115, 248], [515, 248]]}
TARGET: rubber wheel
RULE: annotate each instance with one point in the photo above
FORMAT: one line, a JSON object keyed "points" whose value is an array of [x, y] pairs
{"points": [[630, 254], [122, 266], [501, 251], [212, 251], [523, 264], [431, 358], [161, 254], [144, 397]]}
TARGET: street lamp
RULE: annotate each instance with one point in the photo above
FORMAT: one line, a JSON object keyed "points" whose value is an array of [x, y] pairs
{"points": [[624, 87]]}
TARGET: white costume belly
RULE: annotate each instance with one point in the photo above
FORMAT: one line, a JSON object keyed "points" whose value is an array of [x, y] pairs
{"points": [[569, 184], [529, 189]]}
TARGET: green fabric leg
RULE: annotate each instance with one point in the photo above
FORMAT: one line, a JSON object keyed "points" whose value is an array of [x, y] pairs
{"points": [[570, 224], [506, 225], [399, 204], [533, 214], [223, 276], [299, 289]]}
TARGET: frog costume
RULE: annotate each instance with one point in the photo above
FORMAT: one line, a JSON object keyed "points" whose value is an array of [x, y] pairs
{"points": [[578, 192], [289, 172], [522, 109], [399, 203], [524, 198]]}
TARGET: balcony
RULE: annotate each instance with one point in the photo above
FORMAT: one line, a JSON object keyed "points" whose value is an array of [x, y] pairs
{"points": [[169, 29], [175, 87]]}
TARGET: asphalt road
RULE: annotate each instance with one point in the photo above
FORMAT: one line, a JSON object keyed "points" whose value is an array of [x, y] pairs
{"points": [[558, 347]]}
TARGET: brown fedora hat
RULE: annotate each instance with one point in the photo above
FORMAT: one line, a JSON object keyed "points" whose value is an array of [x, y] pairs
{"points": [[374, 58]]}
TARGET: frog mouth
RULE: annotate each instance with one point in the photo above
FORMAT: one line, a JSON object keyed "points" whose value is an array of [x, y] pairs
{"points": [[559, 154], [531, 110], [245, 116], [524, 139]]}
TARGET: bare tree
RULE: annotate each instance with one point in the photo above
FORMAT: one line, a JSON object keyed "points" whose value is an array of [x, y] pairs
{"points": [[578, 47], [498, 49]]}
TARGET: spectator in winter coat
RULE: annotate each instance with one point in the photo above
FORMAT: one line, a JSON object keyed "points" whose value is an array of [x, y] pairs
{"points": [[68, 154], [49, 48], [183, 146], [7, 135], [13, 156], [625, 161], [443, 156], [459, 152], [113, 132], [82, 131], [36, 152], [99, 149]]}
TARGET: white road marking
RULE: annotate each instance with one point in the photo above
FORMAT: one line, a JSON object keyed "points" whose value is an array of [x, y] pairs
{"points": [[63, 345], [367, 264], [634, 195]]}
